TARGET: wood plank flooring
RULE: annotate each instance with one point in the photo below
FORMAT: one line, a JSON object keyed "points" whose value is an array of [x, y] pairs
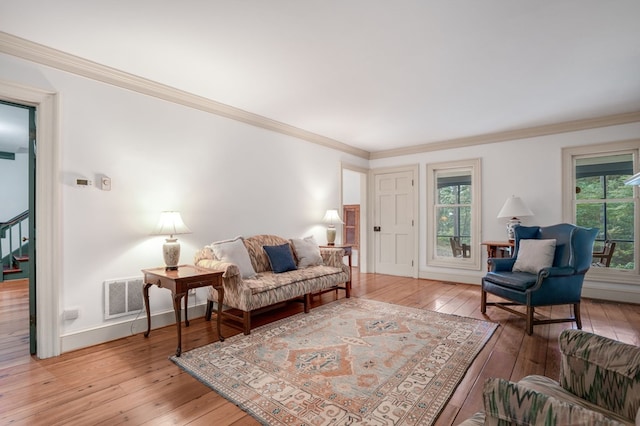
{"points": [[132, 381]]}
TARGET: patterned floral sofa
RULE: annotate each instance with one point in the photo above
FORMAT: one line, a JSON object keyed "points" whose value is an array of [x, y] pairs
{"points": [[267, 287], [599, 385]]}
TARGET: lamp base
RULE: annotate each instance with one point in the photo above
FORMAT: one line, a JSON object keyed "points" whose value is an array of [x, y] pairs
{"points": [[171, 253], [513, 222], [331, 236]]}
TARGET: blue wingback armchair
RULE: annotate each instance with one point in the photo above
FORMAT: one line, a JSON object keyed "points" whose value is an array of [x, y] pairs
{"points": [[559, 284]]}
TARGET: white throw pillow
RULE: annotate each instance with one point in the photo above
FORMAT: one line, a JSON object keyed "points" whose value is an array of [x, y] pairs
{"points": [[534, 255], [307, 252], [234, 251]]}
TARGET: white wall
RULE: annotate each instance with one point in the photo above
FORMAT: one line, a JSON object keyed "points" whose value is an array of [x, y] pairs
{"points": [[227, 178], [14, 175], [351, 187], [530, 168]]}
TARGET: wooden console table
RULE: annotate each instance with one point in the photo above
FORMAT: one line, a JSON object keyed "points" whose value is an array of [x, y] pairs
{"points": [[180, 281]]}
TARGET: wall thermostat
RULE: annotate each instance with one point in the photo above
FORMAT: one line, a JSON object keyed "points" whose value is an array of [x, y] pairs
{"points": [[83, 182]]}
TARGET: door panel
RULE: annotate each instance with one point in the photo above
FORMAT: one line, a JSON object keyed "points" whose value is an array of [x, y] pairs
{"points": [[394, 209]]}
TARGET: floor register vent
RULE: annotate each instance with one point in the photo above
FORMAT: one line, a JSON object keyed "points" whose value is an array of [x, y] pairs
{"points": [[123, 297]]}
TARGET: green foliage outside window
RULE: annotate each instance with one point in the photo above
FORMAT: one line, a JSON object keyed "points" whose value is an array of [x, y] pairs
{"points": [[606, 203], [454, 216]]}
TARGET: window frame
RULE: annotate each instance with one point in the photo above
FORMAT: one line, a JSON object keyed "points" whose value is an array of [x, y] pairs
{"points": [[474, 261], [569, 157]]}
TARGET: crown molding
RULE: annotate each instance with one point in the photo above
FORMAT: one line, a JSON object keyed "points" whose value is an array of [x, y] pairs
{"points": [[530, 132], [54, 58], [25, 49]]}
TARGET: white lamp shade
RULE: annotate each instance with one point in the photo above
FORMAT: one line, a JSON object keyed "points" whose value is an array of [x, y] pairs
{"points": [[514, 207], [331, 217], [170, 223]]}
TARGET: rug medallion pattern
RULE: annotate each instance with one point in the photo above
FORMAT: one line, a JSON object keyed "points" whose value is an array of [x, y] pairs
{"points": [[353, 361]]}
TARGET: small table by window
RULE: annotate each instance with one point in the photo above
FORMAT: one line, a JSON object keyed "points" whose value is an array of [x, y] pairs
{"points": [[499, 248], [179, 282]]}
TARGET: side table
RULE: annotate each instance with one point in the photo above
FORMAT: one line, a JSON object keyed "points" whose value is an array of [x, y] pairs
{"points": [[499, 248], [348, 251], [179, 282]]}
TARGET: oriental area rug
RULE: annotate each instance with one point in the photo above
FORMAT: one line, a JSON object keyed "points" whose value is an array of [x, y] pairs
{"points": [[352, 361]]}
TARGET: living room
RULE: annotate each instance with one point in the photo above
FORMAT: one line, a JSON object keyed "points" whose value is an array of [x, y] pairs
{"points": [[168, 144]]}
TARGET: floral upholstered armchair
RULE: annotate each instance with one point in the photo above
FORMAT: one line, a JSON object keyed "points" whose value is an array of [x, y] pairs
{"points": [[599, 384]]}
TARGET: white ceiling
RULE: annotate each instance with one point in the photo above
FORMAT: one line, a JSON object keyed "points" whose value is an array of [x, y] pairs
{"points": [[373, 74]]}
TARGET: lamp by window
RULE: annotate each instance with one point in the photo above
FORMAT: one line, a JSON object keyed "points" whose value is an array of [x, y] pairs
{"points": [[514, 208], [170, 223], [331, 217]]}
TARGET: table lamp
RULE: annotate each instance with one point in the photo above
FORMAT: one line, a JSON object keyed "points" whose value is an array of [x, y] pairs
{"points": [[331, 217], [170, 223], [514, 208]]}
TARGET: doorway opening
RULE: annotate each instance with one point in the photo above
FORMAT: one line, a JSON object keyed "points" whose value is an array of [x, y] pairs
{"points": [[17, 255], [354, 213]]}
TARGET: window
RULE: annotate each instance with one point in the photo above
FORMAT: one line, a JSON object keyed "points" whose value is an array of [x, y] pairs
{"points": [[452, 214], [599, 198]]}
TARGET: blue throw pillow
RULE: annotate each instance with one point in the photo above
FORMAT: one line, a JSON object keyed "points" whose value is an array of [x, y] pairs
{"points": [[281, 258]]}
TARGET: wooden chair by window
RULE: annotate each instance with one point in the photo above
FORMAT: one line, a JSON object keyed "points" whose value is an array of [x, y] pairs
{"points": [[459, 249], [602, 258]]}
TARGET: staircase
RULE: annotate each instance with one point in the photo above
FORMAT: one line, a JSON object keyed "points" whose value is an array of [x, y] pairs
{"points": [[14, 247]]}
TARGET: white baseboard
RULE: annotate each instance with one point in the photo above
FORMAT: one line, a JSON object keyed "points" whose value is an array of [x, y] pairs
{"points": [[117, 330], [614, 292], [451, 277]]}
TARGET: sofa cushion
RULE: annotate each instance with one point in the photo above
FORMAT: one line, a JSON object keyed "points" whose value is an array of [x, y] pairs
{"points": [[506, 402], [307, 251], [234, 251], [515, 280], [280, 258], [534, 255], [266, 281]]}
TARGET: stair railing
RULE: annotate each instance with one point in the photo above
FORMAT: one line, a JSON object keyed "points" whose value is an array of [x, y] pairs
{"points": [[13, 239]]}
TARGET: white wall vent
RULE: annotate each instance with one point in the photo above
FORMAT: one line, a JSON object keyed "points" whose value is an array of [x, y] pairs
{"points": [[123, 297]]}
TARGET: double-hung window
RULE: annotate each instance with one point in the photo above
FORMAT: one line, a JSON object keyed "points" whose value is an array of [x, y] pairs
{"points": [[453, 200], [595, 195]]}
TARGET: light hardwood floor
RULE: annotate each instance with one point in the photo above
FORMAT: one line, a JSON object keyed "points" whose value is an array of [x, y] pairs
{"points": [[131, 380]]}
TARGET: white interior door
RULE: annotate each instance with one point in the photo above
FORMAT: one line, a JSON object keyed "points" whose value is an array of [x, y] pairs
{"points": [[394, 233]]}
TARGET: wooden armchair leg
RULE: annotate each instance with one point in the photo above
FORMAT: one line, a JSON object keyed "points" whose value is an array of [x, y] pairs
{"points": [[483, 301], [529, 325], [576, 313]]}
